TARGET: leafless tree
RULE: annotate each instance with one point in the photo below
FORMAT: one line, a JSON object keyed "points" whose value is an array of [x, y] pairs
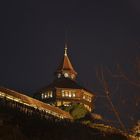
{"points": [[106, 88], [121, 73]]}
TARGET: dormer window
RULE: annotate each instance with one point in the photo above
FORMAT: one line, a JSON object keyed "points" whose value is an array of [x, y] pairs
{"points": [[59, 75], [72, 76], [66, 74]]}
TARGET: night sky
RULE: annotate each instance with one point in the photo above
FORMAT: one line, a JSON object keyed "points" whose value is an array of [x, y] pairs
{"points": [[98, 32], [33, 33]]}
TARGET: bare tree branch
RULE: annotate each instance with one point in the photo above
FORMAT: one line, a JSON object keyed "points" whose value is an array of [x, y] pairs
{"points": [[107, 92], [125, 77], [122, 74]]}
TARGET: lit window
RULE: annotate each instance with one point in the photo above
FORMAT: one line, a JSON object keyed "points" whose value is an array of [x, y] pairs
{"points": [[59, 75], [45, 96], [84, 97], [59, 103], [48, 94], [63, 94], [69, 94], [73, 94], [66, 103], [51, 94], [66, 75], [72, 76], [89, 99], [66, 94], [42, 96]]}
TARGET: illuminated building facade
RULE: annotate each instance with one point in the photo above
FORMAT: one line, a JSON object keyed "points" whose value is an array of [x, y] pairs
{"points": [[64, 90]]}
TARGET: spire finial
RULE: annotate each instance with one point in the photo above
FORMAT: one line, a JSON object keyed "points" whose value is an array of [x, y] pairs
{"points": [[65, 49]]}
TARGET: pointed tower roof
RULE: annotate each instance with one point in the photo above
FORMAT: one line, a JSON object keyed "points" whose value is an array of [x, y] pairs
{"points": [[65, 64]]}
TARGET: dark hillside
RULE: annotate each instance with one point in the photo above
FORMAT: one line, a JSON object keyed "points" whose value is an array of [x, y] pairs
{"points": [[15, 125]]}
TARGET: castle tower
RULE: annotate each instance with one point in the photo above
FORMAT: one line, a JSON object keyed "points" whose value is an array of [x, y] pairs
{"points": [[65, 69], [64, 90]]}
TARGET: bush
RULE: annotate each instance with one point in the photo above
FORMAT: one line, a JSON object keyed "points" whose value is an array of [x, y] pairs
{"points": [[78, 111]]}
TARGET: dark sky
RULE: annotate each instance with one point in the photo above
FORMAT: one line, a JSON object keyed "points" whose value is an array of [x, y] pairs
{"points": [[32, 37]]}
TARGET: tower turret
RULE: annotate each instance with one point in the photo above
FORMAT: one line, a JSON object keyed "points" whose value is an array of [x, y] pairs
{"points": [[65, 69]]}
